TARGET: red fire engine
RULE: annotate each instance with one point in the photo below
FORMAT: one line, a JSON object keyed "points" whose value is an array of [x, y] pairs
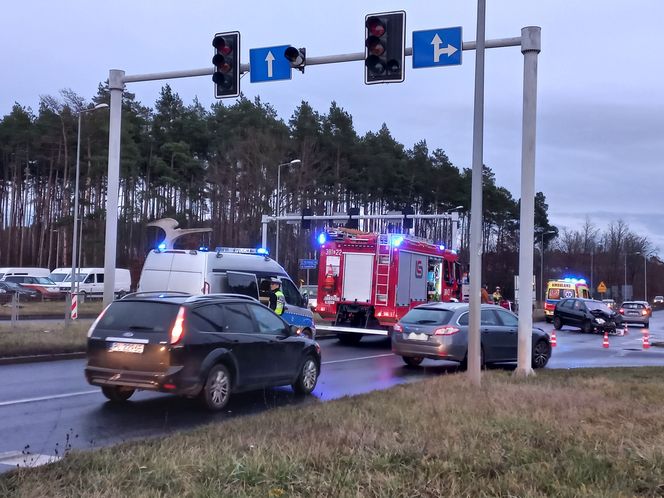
{"points": [[368, 281]]}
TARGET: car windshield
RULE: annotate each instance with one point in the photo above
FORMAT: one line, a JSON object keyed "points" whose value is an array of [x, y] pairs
{"points": [[139, 315], [11, 285], [79, 278], [632, 306], [596, 305], [427, 316], [57, 277], [45, 281]]}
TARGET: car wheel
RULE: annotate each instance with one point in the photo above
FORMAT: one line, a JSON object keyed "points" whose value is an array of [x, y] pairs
{"points": [[541, 354], [349, 339], [412, 361], [217, 389], [587, 327], [308, 377], [557, 323], [463, 365], [117, 394]]}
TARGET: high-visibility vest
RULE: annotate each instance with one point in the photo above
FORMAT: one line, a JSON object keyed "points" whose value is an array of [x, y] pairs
{"points": [[281, 302]]}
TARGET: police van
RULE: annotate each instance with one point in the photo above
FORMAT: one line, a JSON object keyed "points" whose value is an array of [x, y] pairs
{"points": [[225, 270]]}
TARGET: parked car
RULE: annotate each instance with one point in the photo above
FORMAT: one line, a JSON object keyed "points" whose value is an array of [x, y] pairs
{"points": [[46, 287], [658, 300], [439, 331], [587, 314], [196, 346], [90, 282], [610, 303], [636, 312], [23, 293]]}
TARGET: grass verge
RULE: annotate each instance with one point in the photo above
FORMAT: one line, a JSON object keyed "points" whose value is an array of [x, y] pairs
{"points": [[42, 338], [562, 433]]}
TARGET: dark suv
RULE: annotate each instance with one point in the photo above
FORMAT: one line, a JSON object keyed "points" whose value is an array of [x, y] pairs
{"points": [[206, 346], [587, 314]]}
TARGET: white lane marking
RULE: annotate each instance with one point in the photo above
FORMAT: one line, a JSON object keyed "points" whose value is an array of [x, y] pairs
{"points": [[360, 358], [46, 398], [83, 393]]}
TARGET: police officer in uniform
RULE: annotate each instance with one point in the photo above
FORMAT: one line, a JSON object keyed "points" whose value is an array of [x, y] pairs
{"points": [[277, 298]]}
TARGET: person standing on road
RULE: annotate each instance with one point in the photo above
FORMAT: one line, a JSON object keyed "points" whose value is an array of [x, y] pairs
{"points": [[497, 296], [277, 298], [485, 295]]}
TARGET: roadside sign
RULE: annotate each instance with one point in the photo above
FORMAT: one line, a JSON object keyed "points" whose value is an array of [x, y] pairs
{"points": [[308, 264], [269, 64], [601, 288], [437, 47]]}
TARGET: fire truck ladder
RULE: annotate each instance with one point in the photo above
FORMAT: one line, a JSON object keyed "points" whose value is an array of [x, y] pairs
{"points": [[384, 258]]}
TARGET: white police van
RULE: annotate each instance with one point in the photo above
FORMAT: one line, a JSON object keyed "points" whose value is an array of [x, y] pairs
{"points": [[225, 270]]}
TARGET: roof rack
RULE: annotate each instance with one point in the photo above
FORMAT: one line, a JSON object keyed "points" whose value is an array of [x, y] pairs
{"points": [[222, 294], [166, 293]]}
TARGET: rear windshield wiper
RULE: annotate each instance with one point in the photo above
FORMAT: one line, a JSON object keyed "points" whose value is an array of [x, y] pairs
{"points": [[422, 322], [139, 327]]}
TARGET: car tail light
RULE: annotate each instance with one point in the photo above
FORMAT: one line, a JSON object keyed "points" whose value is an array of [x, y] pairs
{"points": [[177, 331], [94, 324], [397, 328], [448, 330]]}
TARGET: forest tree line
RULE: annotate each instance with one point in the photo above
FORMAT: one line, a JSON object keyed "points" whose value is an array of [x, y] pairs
{"points": [[217, 168]]}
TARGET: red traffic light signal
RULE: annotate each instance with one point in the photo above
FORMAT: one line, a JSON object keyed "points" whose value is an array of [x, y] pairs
{"points": [[226, 61], [385, 47]]}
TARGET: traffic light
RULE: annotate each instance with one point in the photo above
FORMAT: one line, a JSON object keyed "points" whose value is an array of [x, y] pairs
{"points": [[297, 57], [385, 52], [407, 222], [351, 222], [226, 63], [306, 224]]}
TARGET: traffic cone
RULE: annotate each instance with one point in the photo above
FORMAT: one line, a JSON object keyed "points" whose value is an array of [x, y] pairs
{"points": [[646, 341], [605, 343], [554, 341], [625, 329]]}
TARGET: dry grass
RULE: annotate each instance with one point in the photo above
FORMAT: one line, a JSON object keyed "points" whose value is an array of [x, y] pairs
{"points": [[55, 308], [38, 337], [562, 433]]}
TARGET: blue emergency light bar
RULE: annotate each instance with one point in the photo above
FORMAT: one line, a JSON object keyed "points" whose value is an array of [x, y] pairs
{"points": [[242, 250]]}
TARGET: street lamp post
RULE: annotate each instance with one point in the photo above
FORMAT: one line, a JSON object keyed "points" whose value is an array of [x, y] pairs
{"points": [[278, 210], [542, 265], [75, 242], [625, 283]]}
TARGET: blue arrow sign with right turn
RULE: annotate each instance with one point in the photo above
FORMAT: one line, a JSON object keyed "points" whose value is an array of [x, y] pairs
{"points": [[437, 47]]}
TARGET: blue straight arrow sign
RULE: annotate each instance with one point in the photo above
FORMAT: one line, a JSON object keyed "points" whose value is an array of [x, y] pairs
{"points": [[269, 64], [437, 47]]}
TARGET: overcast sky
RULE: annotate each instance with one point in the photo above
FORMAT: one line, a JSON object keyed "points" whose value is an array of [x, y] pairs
{"points": [[600, 136]]}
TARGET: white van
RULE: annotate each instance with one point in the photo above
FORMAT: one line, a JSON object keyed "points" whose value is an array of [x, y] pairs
{"points": [[227, 270], [91, 282], [33, 272], [59, 274]]}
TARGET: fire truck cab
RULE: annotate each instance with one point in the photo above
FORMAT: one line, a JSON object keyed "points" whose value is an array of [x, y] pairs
{"points": [[368, 281]]}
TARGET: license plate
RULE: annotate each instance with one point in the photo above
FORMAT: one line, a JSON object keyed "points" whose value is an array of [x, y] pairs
{"points": [[634, 313], [124, 347], [417, 337]]}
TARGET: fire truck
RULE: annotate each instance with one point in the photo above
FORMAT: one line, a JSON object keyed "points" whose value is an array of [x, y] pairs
{"points": [[368, 281]]}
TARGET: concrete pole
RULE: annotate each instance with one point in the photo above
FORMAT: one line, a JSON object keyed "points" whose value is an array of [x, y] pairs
{"points": [[530, 47], [264, 221], [475, 253], [116, 86], [74, 239]]}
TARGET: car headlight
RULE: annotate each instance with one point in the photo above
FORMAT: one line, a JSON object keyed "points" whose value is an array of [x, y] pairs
{"points": [[600, 321]]}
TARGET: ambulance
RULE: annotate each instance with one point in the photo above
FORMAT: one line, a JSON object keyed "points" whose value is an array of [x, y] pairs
{"points": [[563, 289]]}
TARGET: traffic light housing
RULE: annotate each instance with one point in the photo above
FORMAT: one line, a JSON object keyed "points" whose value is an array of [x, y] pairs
{"points": [[351, 222], [407, 222], [306, 224], [226, 61], [385, 47], [297, 57]]}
